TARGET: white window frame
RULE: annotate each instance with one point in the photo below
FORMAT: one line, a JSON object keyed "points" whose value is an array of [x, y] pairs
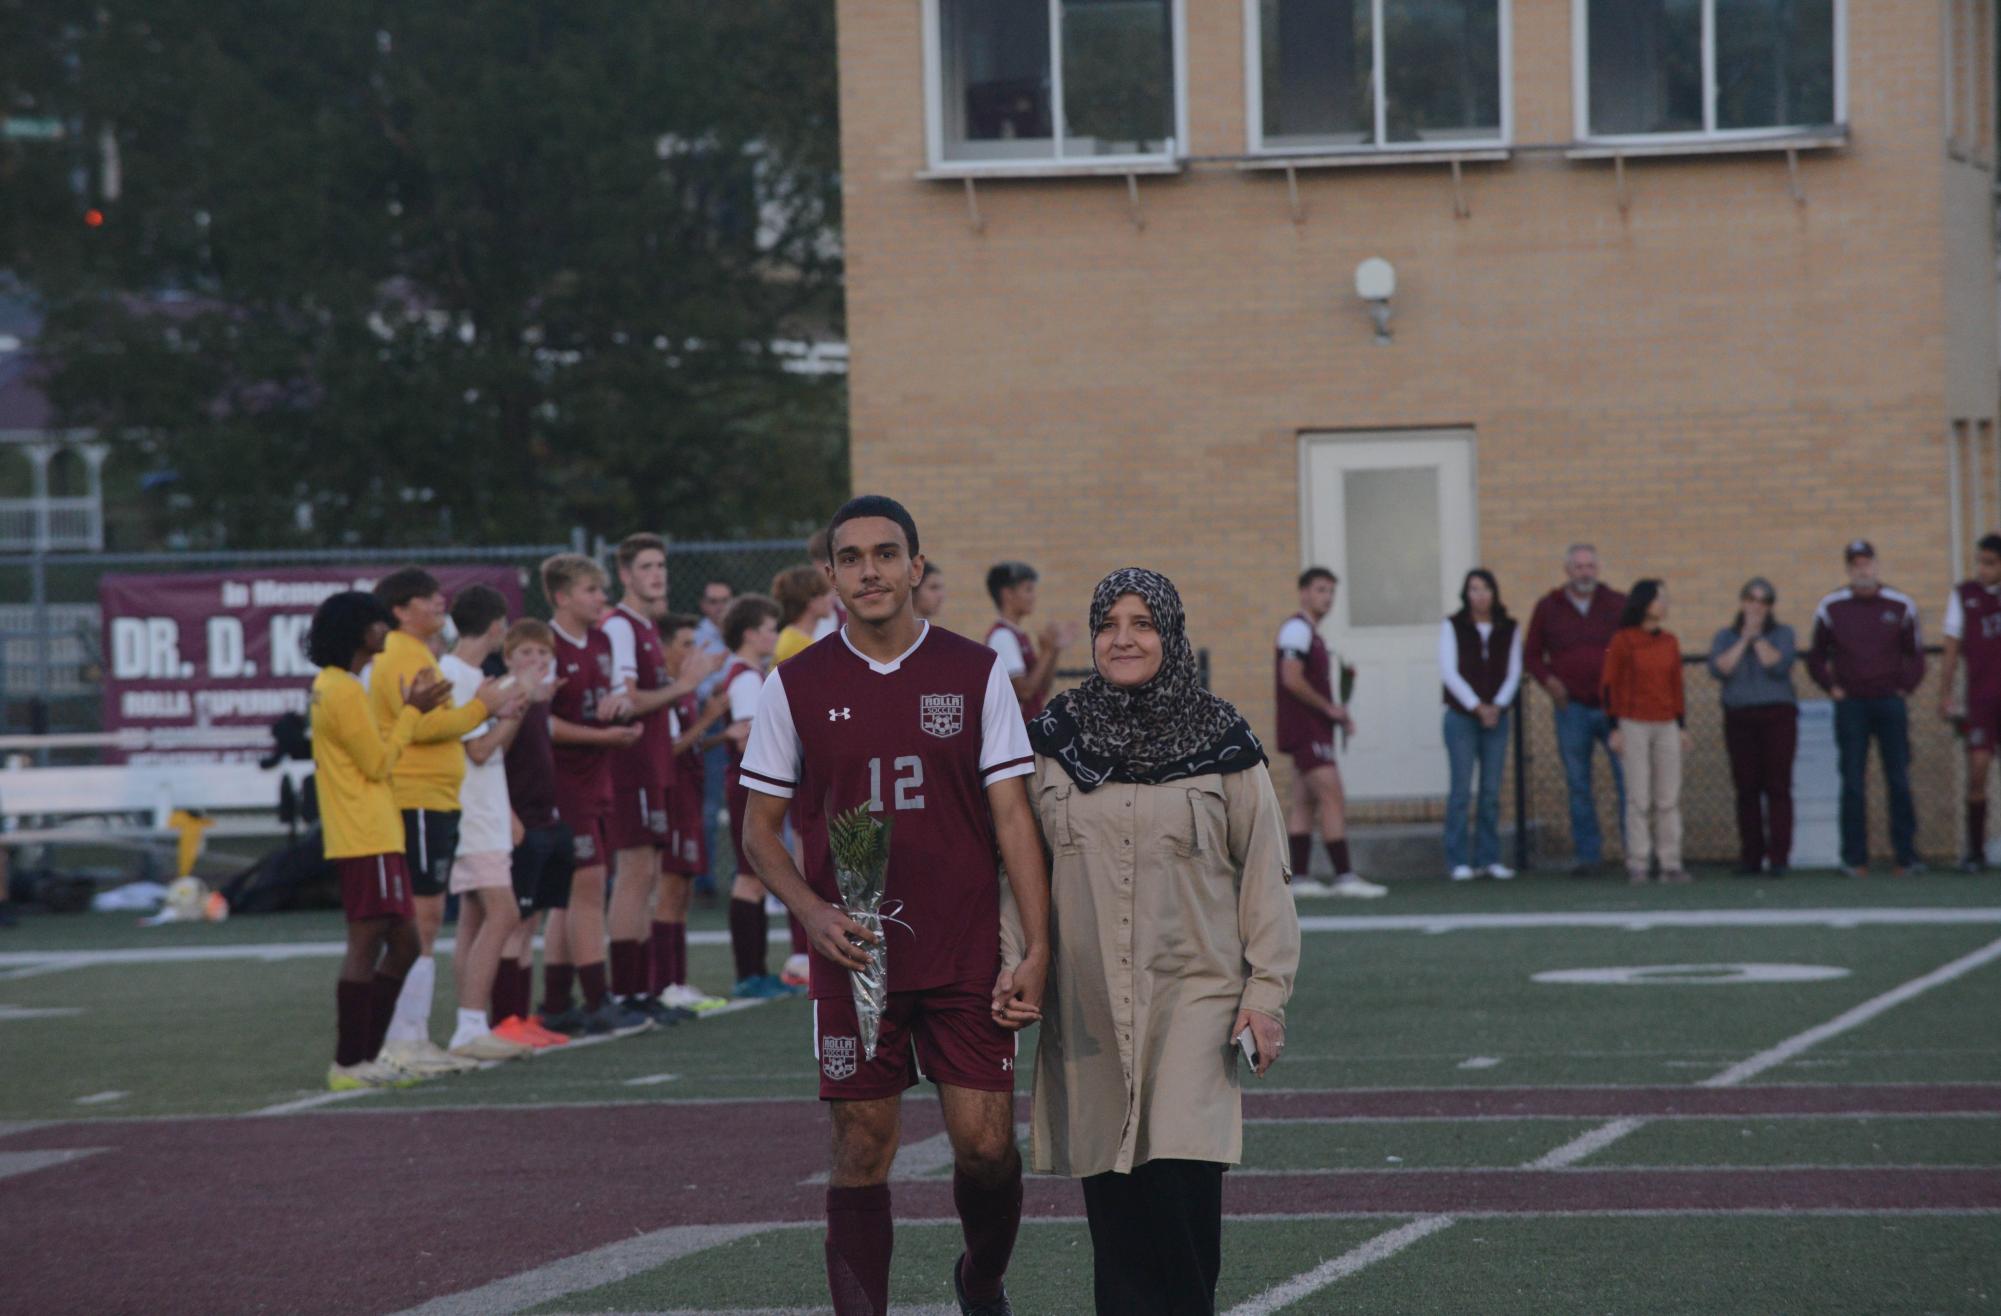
{"points": [[1254, 96], [938, 166], [1580, 85]]}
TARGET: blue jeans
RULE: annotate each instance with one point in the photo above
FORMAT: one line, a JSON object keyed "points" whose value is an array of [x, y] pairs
{"points": [[1577, 727], [715, 781], [1469, 745], [1887, 719]]}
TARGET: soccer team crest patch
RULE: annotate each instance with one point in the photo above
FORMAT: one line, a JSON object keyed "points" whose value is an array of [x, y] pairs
{"points": [[837, 1057], [942, 715]]}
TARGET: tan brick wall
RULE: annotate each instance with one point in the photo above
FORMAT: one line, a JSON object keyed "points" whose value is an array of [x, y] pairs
{"points": [[1714, 383]]}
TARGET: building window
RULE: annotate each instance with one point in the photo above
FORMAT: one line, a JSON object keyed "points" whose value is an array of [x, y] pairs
{"points": [[1038, 82], [1708, 68], [1364, 75]]}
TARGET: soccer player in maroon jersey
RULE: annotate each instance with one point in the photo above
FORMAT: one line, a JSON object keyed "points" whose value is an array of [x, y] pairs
{"points": [[750, 629], [923, 726], [1031, 665], [584, 722], [641, 774], [685, 856], [1973, 636], [1307, 715]]}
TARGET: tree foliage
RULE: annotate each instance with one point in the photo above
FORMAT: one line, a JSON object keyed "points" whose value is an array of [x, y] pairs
{"points": [[390, 270]]}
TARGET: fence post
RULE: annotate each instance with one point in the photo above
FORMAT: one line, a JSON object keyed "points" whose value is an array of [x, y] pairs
{"points": [[38, 571], [1521, 785]]}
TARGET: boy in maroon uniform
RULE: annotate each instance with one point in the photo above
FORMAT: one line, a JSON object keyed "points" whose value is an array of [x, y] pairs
{"points": [[922, 725], [1031, 668], [1973, 635], [685, 856], [584, 723], [1308, 713], [641, 774], [750, 629]]}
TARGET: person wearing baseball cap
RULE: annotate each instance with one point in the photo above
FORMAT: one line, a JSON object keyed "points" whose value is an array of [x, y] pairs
{"points": [[1866, 654]]}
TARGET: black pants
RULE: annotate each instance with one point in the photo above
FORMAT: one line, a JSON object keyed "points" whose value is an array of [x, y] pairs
{"points": [[1156, 1238]]}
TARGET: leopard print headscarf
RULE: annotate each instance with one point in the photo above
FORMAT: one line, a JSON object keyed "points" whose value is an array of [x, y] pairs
{"points": [[1169, 728]]}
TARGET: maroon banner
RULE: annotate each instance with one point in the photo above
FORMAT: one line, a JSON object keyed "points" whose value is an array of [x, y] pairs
{"points": [[222, 649]]}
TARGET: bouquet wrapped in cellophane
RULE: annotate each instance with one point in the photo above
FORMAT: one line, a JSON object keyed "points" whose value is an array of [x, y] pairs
{"points": [[860, 842]]}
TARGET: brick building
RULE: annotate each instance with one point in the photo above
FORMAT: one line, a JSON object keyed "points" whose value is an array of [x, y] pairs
{"points": [[1710, 285]]}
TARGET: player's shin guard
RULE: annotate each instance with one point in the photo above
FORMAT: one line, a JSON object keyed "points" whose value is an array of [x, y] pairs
{"points": [[859, 1239], [990, 1217]]}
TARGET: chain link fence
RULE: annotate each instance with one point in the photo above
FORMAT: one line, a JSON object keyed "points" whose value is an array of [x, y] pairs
{"points": [[51, 628]]}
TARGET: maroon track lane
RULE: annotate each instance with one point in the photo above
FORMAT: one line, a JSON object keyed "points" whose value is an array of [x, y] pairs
{"points": [[378, 1212], [1615, 1102]]}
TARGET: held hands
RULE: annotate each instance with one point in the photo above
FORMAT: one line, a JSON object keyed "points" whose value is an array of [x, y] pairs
{"points": [[1267, 1033], [834, 935], [1018, 992], [426, 691], [1490, 716]]}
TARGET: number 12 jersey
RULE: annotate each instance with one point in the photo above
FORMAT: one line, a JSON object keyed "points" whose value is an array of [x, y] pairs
{"points": [[918, 739]]}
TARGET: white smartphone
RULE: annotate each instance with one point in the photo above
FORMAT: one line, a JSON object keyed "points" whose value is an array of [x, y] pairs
{"points": [[1249, 1046]]}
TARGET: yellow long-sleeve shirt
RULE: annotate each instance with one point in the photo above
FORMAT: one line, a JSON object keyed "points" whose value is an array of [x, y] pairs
{"points": [[352, 758], [428, 775], [792, 640]]}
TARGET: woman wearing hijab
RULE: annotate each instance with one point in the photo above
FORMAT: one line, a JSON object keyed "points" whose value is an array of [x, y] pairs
{"points": [[1173, 934]]}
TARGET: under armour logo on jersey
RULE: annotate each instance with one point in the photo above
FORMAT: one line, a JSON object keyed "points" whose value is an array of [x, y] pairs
{"points": [[838, 715], [1007, 1065]]}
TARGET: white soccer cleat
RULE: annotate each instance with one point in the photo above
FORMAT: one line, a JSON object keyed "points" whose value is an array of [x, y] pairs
{"points": [[681, 996], [1305, 887], [424, 1059], [490, 1046], [1462, 873], [1500, 872], [1357, 887]]}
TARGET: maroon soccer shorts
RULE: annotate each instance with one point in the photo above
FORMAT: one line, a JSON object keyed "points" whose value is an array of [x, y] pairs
{"points": [[945, 1034], [1305, 758], [687, 841], [1983, 723], [374, 886], [638, 817], [586, 815]]}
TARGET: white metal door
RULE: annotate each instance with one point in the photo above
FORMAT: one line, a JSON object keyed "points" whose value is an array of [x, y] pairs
{"points": [[1391, 513]]}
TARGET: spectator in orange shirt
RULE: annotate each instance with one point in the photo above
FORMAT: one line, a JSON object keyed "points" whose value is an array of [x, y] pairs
{"points": [[1643, 702]]}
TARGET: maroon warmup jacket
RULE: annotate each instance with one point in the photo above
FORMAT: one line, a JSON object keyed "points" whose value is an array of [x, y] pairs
{"points": [[1571, 646], [1867, 644]]}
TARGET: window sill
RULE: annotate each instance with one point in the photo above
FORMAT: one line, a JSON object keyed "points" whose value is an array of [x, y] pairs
{"points": [[952, 173], [1819, 140], [1368, 159]]}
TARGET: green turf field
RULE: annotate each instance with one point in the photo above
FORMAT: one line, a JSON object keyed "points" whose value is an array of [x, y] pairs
{"points": [[103, 1020]]}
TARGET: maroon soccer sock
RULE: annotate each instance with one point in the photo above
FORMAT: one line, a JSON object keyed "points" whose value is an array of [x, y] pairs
{"points": [[670, 953], [556, 982], [1302, 853], [798, 934], [990, 1218], [1338, 852], [1976, 830], [590, 978], [748, 930], [659, 953], [510, 991], [382, 994], [859, 1239], [353, 1011], [628, 968]]}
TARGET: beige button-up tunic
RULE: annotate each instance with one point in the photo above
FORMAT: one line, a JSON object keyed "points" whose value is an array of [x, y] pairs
{"points": [[1169, 911]]}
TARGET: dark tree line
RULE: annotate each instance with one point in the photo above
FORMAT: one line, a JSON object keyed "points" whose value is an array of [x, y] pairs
{"points": [[395, 270]]}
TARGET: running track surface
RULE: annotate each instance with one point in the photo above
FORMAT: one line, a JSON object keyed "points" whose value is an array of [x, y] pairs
{"points": [[377, 1212]]}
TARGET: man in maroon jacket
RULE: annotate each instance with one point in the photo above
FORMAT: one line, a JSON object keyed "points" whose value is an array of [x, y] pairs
{"points": [[1866, 655], [1564, 653]]}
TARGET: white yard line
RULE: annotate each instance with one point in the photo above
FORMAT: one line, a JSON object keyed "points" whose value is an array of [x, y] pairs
{"points": [[1379, 1248], [27, 1162], [1605, 1135], [102, 1098], [586, 1270], [1646, 920]]}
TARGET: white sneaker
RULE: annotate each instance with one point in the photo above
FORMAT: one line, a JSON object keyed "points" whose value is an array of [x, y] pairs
{"points": [[1461, 873], [1307, 886], [424, 1059], [367, 1074], [1354, 886], [490, 1046], [683, 996], [1500, 872]]}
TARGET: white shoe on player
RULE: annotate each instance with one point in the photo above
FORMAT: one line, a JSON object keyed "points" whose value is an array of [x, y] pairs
{"points": [[1356, 887], [681, 996], [425, 1059], [1462, 873], [1304, 888]]}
